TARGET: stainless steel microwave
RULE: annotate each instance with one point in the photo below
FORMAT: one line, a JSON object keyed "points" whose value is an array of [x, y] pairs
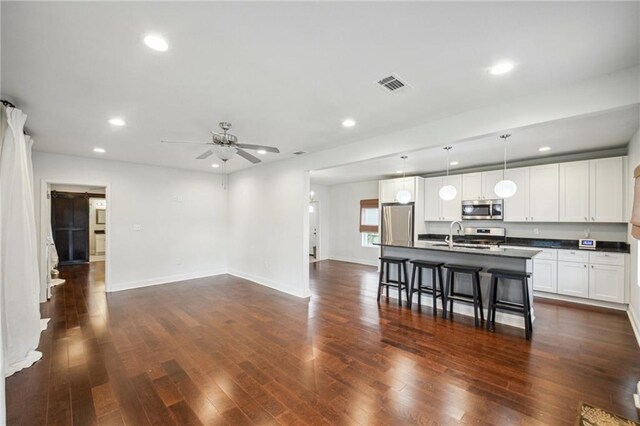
{"points": [[482, 210]]}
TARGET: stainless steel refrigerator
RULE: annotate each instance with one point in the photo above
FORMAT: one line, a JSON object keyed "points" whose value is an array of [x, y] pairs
{"points": [[397, 222]]}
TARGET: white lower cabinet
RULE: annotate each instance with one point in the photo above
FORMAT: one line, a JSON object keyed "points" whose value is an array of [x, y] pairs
{"points": [[606, 282], [545, 275], [573, 279]]}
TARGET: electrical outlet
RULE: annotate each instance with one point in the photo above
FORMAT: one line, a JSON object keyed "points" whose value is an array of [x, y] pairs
{"points": [[137, 227], [587, 232], [536, 231]]}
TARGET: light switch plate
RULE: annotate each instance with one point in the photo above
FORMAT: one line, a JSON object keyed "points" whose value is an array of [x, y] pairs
{"points": [[137, 227]]}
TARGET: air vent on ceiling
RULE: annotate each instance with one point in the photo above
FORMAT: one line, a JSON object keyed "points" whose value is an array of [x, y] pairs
{"points": [[393, 84]]}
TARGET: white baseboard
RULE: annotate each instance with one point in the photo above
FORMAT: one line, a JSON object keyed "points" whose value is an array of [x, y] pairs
{"points": [[354, 260], [164, 280], [581, 301], [271, 284], [635, 323]]}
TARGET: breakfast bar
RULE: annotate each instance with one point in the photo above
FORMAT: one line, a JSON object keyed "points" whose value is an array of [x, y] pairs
{"points": [[484, 257]]}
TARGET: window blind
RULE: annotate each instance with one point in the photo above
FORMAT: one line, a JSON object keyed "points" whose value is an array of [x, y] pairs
{"points": [[369, 215]]}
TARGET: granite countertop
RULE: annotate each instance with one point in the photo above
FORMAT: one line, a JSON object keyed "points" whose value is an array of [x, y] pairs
{"points": [[606, 246], [498, 252]]}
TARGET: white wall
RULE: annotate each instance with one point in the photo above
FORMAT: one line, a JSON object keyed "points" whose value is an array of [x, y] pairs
{"points": [[268, 226], [322, 196], [183, 216], [634, 290], [345, 240]]}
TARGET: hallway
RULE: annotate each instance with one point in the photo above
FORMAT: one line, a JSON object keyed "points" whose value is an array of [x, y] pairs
{"points": [[222, 350]]}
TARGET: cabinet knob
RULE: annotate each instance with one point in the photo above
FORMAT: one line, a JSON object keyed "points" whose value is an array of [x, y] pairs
{"points": [[586, 218], [584, 266], [591, 266], [593, 218]]}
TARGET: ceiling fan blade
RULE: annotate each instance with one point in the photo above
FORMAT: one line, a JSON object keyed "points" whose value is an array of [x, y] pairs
{"points": [[247, 156], [192, 142], [266, 148], [205, 154]]}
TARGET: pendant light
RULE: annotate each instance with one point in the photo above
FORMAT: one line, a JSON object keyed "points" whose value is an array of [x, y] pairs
{"points": [[448, 192], [505, 188], [403, 196]]}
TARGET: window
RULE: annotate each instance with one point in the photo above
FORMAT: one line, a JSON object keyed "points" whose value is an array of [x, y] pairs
{"points": [[369, 220]]}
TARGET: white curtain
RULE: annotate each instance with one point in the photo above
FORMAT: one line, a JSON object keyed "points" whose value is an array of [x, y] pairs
{"points": [[19, 276]]}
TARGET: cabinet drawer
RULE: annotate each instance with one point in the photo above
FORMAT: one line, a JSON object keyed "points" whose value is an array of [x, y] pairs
{"points": [[546, 254], [603, 258], [573, 256]]}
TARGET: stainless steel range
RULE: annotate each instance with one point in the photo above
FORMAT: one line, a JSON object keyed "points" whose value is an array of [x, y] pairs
{"points": [[480, 237]]}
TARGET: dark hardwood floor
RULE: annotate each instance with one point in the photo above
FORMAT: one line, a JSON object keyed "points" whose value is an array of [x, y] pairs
{"points": [[224, 350]]}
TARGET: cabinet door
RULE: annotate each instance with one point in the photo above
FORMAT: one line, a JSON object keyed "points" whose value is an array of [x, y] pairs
{"points": [[543, 193], [516, 208], [607, 190], [472, 186], [452, 209], [606, 282], [387, 191], [574, 192], [432, 206], [573, 279], [489, 180], [545, 275]]}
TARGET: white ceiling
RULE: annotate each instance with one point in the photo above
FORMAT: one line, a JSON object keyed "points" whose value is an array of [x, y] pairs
{"points": [[286, 74], [576, 135]]}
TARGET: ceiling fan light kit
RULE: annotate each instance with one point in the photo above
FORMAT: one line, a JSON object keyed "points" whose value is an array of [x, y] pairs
{"points": [[225, 146]]}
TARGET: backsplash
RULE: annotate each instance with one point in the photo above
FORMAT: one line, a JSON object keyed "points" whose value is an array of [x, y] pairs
{"points": [[568, 231]]}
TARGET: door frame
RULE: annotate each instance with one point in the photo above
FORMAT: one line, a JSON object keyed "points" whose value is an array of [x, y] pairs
{"points": [[316, 206], [45, 222]]}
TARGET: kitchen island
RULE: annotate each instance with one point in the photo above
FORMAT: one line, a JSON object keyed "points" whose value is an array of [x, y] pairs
{"points": [[485, 257]]}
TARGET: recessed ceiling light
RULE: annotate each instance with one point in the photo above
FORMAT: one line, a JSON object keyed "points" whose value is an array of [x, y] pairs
{"points": [[117, 122], [99, 150], [501, 68], [349, 122], [215, 165], [544, 148], [261, 151], [156, 42], [453, 163]]}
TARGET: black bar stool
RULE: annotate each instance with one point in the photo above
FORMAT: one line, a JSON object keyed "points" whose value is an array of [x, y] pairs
{"points": [[450, 294], [436, 278], [523, 308], [401, 283]]}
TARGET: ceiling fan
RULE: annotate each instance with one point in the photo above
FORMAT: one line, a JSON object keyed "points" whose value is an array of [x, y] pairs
{"points": [[225, 146]]}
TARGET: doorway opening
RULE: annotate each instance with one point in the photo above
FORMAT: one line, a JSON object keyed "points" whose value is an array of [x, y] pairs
{"points": [[74, 232], [314, 227]]}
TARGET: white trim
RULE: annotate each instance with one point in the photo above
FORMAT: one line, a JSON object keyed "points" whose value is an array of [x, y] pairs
{"points": [[170, 279], [45, 219], [354, 260], [581, 301], [635, 323], [271, 284]]}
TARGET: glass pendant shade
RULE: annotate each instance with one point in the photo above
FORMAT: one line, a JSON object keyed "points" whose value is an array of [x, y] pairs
{"points": [[224, 152], [448, 192], [403, 196], [505, 188]]}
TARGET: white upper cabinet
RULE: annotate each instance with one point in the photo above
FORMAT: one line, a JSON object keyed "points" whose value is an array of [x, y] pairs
{"points": [[435, 208], [472, 186], [516, 208], [390, 187], [543, 193], [574, 192], [432, 209], [489, 180], [607, 190]]}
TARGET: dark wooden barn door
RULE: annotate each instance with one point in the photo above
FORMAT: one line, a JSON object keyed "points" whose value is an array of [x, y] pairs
{"points": [[70, 224]]}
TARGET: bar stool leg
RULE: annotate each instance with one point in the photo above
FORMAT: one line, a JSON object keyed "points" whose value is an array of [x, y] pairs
{"points": [[445, 296], [419, 286], [475, 300], [399, 285], [388, 273], [380, 280], [441, 286], [477, 278], [527, 311], [413, 285], [406, 283], [434, 289], [491, 311]]}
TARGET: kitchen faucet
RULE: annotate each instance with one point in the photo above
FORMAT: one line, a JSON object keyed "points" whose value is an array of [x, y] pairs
{"points": [[449, 240]]}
